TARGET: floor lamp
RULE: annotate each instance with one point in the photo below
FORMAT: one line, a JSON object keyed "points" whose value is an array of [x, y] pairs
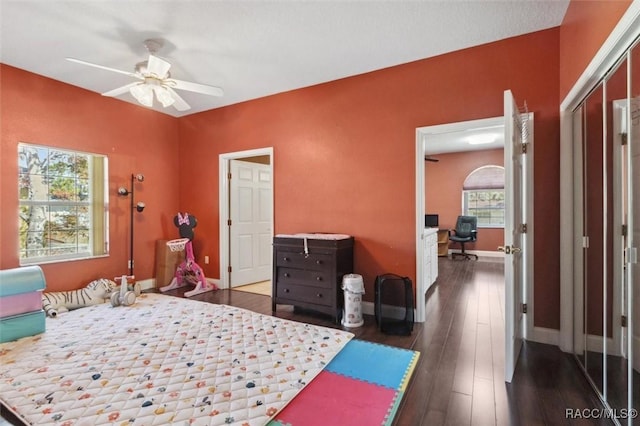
{"points": [[139, 207]]}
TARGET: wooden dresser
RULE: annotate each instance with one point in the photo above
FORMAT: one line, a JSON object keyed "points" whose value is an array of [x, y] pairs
{"points": [[308, 271]]}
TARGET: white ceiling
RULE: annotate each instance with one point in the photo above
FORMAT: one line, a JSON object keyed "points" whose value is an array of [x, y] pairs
{"points": [[251, 49], [474, 137]]}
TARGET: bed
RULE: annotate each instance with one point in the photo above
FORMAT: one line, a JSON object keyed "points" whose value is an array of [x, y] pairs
{"points": [[164, 360]]}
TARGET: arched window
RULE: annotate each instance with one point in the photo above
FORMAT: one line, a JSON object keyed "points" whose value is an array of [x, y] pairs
{"points": [[483, 196]]}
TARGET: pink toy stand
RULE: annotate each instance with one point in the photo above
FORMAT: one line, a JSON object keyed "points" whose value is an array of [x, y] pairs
{"points": [[188, 272], [188, 268]]}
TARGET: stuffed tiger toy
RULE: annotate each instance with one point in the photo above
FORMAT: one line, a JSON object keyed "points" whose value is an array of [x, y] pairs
{"points": [[94, 293]]}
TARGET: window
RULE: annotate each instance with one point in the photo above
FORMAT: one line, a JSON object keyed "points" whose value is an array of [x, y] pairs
{"points": [[483, 196], [62, 204]]}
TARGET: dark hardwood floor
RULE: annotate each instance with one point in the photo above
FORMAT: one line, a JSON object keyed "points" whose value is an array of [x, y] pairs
{"points": [[459, 379]]}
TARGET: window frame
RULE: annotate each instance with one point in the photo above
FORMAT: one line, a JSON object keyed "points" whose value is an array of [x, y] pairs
{"points": [[93, 222], [479, 188]]}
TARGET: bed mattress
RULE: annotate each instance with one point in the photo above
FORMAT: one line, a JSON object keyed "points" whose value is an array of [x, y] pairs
{"points": [[164, 360]]}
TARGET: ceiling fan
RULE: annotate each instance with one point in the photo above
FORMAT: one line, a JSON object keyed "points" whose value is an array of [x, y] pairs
{"points": [[155, 79]]}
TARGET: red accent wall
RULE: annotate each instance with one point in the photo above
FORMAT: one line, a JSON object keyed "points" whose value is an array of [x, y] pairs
{"points": [[584, 29], [136, 140], [344, 152], [443, 192]]}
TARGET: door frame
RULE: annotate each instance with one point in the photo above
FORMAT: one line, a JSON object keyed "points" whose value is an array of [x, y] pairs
{"points": [[621, 38], [223, 203], [422, 137]]}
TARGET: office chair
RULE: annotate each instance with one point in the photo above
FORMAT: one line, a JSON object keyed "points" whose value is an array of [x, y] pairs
{"points": [[466, 232]]}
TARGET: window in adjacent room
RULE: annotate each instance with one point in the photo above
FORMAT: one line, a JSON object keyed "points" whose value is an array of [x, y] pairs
{"points": [[483, 196], [63, 204]]}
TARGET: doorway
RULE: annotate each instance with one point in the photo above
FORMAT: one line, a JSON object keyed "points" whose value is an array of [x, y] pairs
{"points": [[245, 246], [432, 134]]}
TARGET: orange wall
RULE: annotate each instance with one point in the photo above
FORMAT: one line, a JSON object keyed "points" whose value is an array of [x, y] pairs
{"points": [[136, 140], [443, 192], [344, 152], [584, 29]]}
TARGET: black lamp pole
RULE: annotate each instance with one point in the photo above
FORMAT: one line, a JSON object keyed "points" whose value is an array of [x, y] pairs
{"points": [[139, 207], [131, 229]]}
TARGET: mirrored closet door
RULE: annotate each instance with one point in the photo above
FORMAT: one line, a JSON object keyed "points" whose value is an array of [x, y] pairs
{"points": [[607, 227]]}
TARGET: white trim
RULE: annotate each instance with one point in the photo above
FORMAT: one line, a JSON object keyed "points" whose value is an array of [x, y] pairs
{"points": [[480, 253], [621, 38], [223, 204], [148, 284], [549, 336], [421, 286], [528, 261]]}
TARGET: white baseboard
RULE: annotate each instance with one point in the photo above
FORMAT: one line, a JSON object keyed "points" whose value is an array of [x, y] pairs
{"points": [[147, 284], [480, 253], [549, 336]]}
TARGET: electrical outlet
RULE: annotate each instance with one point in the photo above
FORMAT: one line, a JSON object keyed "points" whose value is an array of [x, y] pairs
{"points": [[206, 260]]}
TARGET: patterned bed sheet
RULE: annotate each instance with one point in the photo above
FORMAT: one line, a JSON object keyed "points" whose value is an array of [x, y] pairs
{"points": [[164, 360]]}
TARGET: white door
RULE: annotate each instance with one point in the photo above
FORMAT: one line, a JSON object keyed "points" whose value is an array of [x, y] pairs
{"points": [[515, 138], [250, 222]]}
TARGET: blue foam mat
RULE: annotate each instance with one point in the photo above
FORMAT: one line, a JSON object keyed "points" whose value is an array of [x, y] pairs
{"points": [[374, 363]]}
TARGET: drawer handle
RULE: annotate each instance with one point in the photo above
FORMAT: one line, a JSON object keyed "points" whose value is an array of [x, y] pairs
{"points": [[286, 275], [286, 290], [318, 278], [319, 262], [286, 259], [319, 295]]}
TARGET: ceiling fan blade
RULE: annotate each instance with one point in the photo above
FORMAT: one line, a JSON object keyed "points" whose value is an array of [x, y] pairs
{"points": [[120, 90], [195, 87], [158, 67], [179, 103], [130, 74]]}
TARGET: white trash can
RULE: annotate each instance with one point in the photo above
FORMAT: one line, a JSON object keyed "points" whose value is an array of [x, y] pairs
{"points": [[353, 287]]}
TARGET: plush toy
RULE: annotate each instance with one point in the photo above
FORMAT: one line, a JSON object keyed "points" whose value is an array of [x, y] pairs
{"points": [[94, 293]]}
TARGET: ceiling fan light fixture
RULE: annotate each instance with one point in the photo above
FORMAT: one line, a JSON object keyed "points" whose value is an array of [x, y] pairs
{"points": [[143, 94], [163, 95]]}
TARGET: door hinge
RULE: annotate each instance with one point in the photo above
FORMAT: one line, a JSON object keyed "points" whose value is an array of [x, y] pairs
{"points": [[585, 241], [624, 230], [523, 228], [229, 268], [623, 320], [623, 139], [525, 147], [524, 308], [228, 222], [229, 176]]}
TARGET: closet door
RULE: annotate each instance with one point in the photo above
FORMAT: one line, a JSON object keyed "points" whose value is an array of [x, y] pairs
{"points": [[594, 215], [617, 237], [633, 268]]}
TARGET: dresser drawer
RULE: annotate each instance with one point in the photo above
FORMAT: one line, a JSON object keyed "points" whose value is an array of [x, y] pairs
{"points": [[315, 295], [306, 278], [312, 261]]}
